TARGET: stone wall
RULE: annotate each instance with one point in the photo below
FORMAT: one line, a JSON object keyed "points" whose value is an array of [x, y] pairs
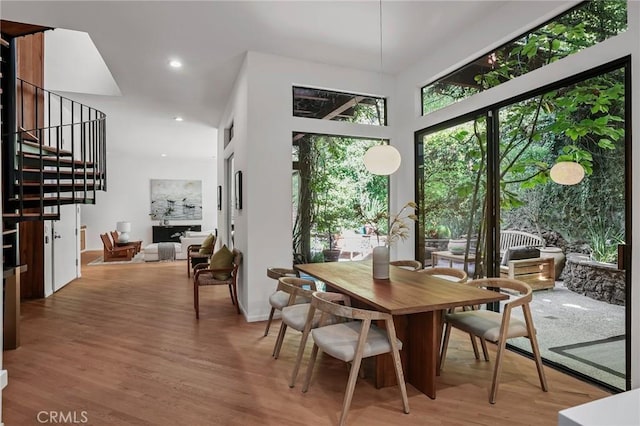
{"points": [[599, 281]]}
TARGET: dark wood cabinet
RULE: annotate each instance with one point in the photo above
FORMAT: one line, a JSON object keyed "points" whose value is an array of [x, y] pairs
{"points": [[167, 233]]}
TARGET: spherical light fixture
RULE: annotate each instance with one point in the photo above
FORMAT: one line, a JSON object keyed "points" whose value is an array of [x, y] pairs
{"points": [[175, 63], [382, 160], [567, 173]]}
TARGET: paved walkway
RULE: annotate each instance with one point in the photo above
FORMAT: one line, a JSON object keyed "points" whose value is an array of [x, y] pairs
{"points": [[563, 318]]}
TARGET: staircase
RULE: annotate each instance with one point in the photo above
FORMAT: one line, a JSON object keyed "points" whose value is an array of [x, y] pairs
{"points": [[61, 163], [53, 153]]}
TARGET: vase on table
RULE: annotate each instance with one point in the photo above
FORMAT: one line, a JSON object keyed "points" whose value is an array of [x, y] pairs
{"points": [[381, 263]]}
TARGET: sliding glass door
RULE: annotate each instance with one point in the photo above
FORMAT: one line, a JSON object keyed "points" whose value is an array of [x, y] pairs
{"points": [[497, 173]]}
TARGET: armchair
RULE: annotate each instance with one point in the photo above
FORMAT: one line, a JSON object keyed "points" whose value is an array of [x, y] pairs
{"points": [[204, 276], [112, 253]]}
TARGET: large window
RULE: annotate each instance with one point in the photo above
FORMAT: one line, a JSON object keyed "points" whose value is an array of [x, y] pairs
{"points": [[330, 185], [585, 25]]}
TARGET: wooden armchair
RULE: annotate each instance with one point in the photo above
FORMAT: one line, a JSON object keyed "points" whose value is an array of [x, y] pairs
{"points": [[112, 253], [137, 245], [195, 258], [203, 276]]}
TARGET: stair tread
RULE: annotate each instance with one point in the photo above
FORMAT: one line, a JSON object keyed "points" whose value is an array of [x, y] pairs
{"points": [[17, 215], [9, 231], [52, 159], [46, 148]]}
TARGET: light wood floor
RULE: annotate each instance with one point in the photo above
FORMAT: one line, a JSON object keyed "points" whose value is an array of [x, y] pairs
{"points": [[122, 344]]}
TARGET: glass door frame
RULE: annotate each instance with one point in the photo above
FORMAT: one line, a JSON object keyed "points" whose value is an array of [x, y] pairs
{"points": [[493, 189]]}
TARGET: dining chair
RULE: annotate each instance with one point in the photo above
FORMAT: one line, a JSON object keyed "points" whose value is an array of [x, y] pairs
{"points": [[294, 313], [352, 341], [450, 274], [313, 321], [278, 299], [498, 327], [410, 264]]}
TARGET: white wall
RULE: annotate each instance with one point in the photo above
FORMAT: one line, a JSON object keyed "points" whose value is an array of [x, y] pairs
{"points": [[128, 195], [261, 108], [410, 81]]}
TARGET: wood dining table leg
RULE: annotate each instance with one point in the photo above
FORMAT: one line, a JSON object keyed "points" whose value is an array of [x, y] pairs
{"points": [[423, 335]]}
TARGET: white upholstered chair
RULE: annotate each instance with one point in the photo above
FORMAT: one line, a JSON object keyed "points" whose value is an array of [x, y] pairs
{"points": [[498, 327], [294, 313], [352, 341], [279, 299]]}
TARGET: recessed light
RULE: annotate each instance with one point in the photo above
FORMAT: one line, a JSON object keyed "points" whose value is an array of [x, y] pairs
{"points": [[174, 63], [163, 155], [179, 119]]}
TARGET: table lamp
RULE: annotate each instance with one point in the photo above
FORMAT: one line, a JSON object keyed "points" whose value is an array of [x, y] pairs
{"points": [[123, 228]]}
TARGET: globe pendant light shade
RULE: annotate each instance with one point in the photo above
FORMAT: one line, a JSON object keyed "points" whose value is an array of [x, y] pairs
{"points": [[567, 173], [382, 160]]}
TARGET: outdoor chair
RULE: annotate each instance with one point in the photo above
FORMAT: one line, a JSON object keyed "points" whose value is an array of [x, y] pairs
{"points": [[352, 341], [497, 327]]}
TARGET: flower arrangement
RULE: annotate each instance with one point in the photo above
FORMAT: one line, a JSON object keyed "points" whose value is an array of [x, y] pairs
{"points": [[380, 220]]}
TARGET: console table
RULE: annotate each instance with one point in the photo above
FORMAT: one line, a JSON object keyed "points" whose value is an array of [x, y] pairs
{"points": [[172, 233]]}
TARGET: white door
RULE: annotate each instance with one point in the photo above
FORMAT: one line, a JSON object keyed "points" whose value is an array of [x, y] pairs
{"points": [[65, 246]]}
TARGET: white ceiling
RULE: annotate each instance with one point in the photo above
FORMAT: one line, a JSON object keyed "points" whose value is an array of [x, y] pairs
{"points": [[136, 39]]}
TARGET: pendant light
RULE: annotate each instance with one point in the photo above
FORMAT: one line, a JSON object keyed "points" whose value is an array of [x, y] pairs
{"points": [[382, 159], [567, 173]]}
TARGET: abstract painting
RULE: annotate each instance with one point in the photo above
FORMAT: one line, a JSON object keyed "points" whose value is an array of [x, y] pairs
{"points": [[176, 199]]}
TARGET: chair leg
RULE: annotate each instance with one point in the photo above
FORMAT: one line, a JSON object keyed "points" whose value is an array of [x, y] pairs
{"points": [[234, 296], [445, 344], [485, 352], [266, 330], [303, 344], [188, 266], [474, 344], [395, 354], [497, 370], [196, 300], [534, 347], [312, 361], [351, 384], [279, 340]]}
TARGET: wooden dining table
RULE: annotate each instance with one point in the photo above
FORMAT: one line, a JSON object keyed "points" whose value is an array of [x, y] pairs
{"points": [[416, 301]]}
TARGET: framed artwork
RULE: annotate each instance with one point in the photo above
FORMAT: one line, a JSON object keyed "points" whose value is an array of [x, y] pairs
{"points": [[176, 199], [238, 190], [219, 197]]}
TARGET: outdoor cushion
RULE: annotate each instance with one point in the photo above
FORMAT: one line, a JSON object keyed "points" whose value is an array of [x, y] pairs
{"points": [[519, 252], [207, 245], [221, 259]]}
